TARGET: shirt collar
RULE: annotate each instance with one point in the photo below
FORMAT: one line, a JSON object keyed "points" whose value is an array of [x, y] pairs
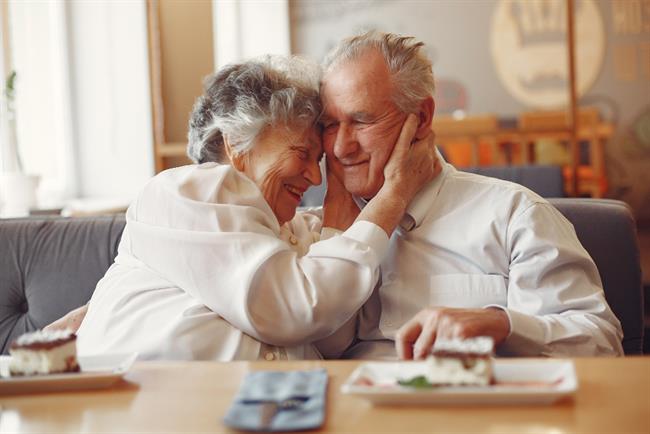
{"points": [[421, 203]]}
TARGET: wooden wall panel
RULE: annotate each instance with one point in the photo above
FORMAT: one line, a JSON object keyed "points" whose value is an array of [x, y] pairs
{"points": [[181, 55]]}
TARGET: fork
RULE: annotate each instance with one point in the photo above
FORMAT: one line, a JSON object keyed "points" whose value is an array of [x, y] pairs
{"points": [[271, 408]]}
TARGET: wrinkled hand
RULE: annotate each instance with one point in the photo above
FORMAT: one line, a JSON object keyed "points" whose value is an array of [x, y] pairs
{"points": [[71, 320], [339, 209], [411, 164], [415, 338]]}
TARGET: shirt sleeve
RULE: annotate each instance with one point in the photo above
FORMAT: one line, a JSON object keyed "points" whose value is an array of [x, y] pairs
{"points": [[258, 283], [294, 300], [209, 231], [555, 303]]}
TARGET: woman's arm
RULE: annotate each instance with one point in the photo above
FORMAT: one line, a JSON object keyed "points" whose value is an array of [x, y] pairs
{"points": [[71, 321], [229, 255]]}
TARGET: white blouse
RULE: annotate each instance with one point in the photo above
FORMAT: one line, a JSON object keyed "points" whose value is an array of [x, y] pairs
{"points": [[205, 272]]}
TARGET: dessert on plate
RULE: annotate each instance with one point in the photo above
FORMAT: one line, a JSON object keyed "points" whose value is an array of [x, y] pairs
{"points": [[44, 352], [456, 362]]}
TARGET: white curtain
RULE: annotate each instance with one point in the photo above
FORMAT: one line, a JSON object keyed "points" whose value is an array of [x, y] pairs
{"points": [[83, 104]]}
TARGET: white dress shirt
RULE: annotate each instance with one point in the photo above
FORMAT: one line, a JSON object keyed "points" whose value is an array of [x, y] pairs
{"points": [[470, 241], [205, 271]]}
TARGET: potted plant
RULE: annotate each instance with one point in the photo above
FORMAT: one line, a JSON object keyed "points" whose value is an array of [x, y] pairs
{"points": [[17, 189]]}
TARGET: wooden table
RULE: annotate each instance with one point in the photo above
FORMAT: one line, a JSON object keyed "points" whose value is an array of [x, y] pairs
{"points": [[613, 397]]}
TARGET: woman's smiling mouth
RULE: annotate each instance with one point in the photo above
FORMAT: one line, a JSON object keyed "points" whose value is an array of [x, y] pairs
{"points": [[295, 192]]}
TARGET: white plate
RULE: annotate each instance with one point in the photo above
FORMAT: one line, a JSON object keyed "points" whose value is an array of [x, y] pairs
{"points": [[97, 372], [518, 381]]}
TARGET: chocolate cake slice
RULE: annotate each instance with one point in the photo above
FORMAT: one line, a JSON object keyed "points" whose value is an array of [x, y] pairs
{"points": [[44, 352]]}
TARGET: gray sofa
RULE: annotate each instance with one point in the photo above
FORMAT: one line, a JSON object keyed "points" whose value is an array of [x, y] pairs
{"points": [[49, 266]]}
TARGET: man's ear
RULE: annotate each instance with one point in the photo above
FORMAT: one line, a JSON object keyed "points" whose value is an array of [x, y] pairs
{"points": [[236, 160], [425, 115]]}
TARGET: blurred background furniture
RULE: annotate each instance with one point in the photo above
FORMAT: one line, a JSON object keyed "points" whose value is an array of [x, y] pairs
{"points": [[470, 141], [534, 137], [541, 129], [50, 266]]}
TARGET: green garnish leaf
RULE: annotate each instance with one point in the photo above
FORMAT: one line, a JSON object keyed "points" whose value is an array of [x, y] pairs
{"points": [[418, 382]]}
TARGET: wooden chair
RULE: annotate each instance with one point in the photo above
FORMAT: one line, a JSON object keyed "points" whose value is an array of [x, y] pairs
{"points": [[539, 126], [470, 141]]}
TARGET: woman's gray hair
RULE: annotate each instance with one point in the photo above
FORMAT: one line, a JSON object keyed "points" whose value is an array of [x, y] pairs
{"points": [[241, 100], [409, 66]]}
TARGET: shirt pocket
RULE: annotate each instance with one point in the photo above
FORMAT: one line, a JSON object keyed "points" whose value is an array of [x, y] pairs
{"points": [[404, 296], [467, 290]]}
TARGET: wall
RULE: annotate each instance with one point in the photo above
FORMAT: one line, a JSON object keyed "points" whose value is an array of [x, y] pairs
{"points": [[186, 58], [457, 36]]}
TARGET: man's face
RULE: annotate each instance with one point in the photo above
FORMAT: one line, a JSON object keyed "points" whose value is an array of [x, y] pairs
{"points": [[361, 122]]}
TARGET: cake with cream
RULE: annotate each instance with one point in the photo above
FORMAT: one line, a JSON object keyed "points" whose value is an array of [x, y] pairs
{"points": [[44, 352], [456, 362]]}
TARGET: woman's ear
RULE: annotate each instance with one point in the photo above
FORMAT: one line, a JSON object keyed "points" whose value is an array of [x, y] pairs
{"points": [[236, 160], [425, 115]]}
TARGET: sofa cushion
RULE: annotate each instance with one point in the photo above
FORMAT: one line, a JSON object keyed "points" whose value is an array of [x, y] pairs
{"points": [[49, 266]]}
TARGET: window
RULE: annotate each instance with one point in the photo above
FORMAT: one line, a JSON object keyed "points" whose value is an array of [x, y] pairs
{"points": [[83, 106]]}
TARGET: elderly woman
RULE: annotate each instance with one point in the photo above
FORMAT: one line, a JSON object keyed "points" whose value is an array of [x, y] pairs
{"points": [[214, 263]]}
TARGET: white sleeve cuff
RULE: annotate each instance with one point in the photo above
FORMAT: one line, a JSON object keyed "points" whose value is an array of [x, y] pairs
{"points": [[327, 233], [526, 337], [370, 234]]}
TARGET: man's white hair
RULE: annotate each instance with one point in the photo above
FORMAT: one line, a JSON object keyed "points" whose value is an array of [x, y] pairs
{"points": [[410, 68], [241, 100]]}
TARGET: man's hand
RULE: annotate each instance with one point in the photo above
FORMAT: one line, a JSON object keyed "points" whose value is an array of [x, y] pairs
{"points": [[71, 320], [415, 338]]}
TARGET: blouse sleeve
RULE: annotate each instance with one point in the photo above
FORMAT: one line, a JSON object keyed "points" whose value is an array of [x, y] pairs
{"points": [[247, 274]]}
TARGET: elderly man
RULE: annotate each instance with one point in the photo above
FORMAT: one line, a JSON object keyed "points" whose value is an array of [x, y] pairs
{"points": [[474, 255]]}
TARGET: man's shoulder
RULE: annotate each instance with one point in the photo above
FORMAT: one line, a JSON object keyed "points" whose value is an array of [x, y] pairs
{"points": [[476, 197], [479, 187]]}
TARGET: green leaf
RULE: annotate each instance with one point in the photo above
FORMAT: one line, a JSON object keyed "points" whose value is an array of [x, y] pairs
{"points": [[9, 85], [418, 382]]}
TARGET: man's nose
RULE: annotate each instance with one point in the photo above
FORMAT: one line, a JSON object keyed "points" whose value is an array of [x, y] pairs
{"points": [[312, 173], [346, 142]]}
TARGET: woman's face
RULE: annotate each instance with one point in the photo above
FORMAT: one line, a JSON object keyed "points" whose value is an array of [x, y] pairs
{"points": [[284, 163]]}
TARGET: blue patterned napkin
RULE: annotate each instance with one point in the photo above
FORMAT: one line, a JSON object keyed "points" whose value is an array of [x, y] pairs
{"points": [[279, 401]]}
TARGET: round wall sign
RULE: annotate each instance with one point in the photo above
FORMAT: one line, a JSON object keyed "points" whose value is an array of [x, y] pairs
{"points": [[528, 45]]}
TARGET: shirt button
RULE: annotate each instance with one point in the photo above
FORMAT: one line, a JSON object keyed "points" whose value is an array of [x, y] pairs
{"points": [[293, 240], [269, 356]]}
